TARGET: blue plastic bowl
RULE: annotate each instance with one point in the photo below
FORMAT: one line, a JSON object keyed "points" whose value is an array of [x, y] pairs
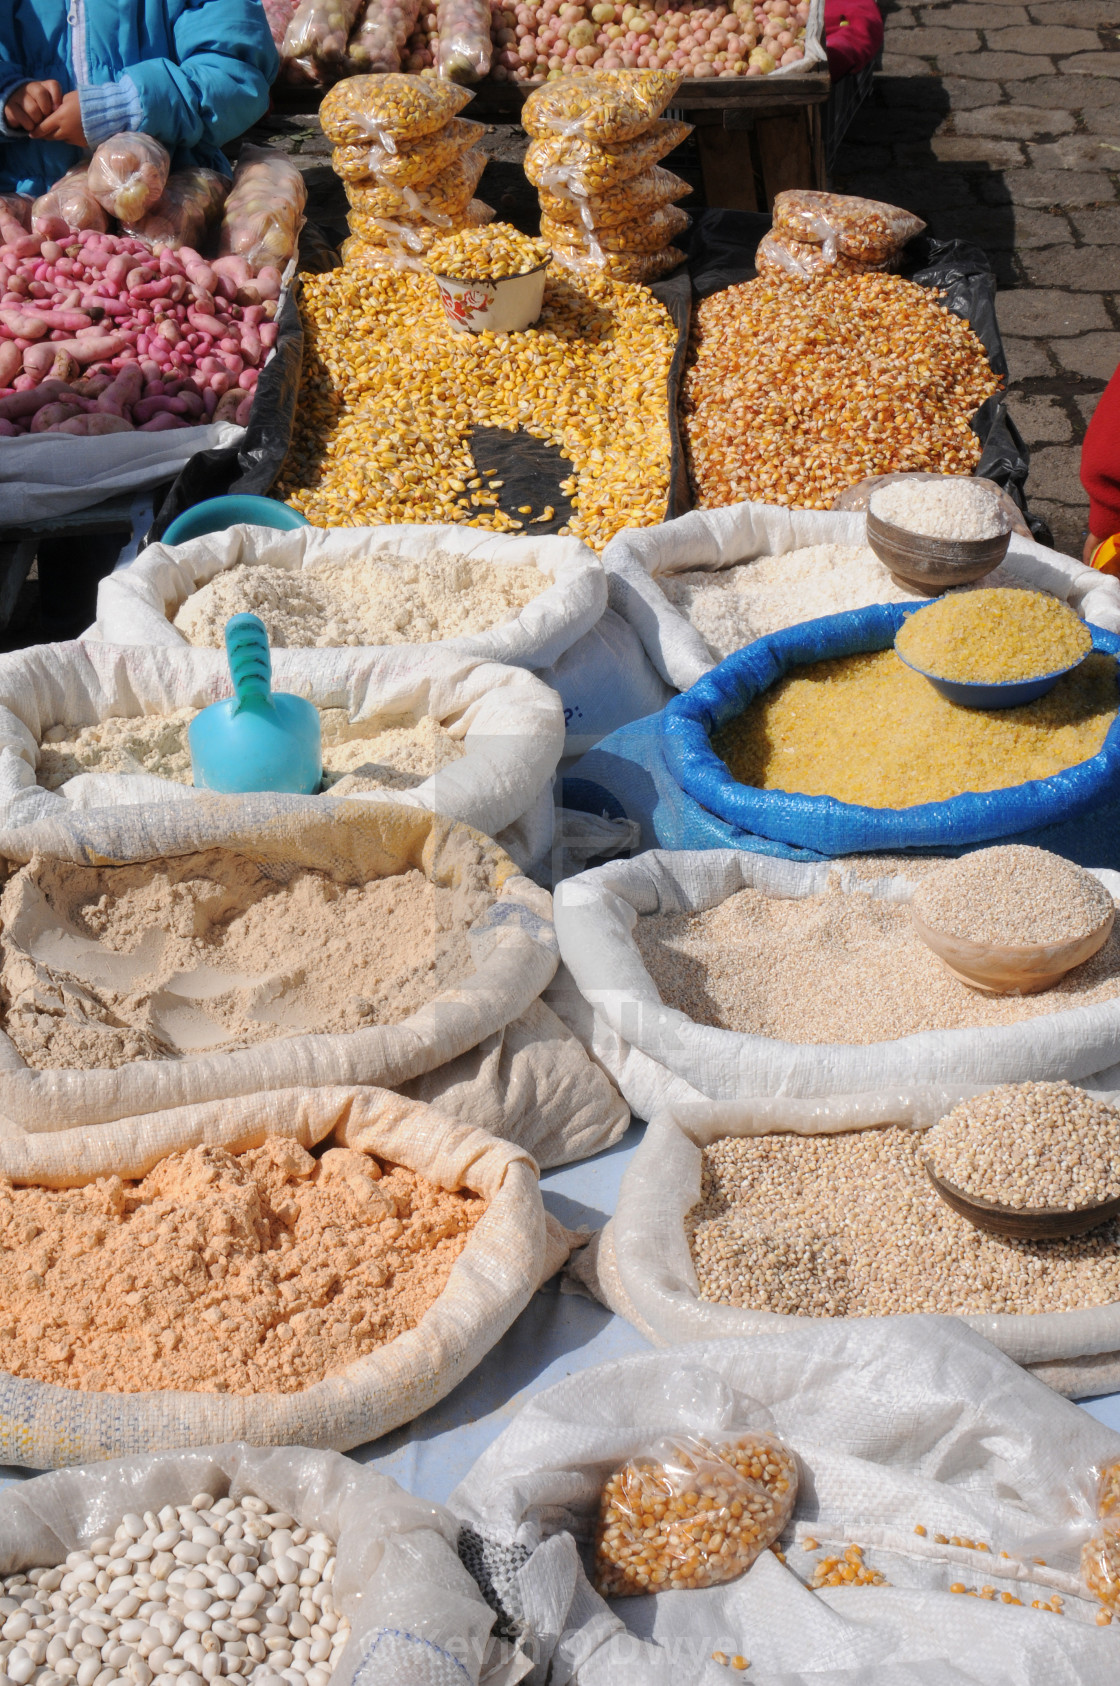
{"points": [[1005, 693], [216, 514]]}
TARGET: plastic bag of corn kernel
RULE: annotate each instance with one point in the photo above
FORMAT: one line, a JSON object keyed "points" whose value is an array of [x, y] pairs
{"points": [[440, 200], [315, 40], [782, 255], [866, 229], [390, 111], [1100, 1565], [402, 244], [649, 235], [1108, 1491], [633, 267], [380, 35], [463, 46], [643, 194], [587, 169], [416, 164], [692, 1512], [604, 106]]}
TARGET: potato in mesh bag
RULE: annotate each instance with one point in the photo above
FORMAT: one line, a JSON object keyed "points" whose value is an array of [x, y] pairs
{"points": [[865, 229], [387, 109], [446, 195], [415, 164], [586, 169], [602, 105], [631, 238], [650, 191], [692, 1512]]}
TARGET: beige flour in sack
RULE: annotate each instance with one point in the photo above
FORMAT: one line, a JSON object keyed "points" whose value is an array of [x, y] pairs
{"points": [[382, 598], [256, 1273], [386, 753], [158, 960]]}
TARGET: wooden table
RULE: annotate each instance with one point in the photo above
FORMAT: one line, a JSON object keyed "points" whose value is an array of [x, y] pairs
{"points": [[757, 135]]}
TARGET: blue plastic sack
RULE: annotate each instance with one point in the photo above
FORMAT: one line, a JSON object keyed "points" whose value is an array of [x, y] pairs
{"points": [[665, 774]]}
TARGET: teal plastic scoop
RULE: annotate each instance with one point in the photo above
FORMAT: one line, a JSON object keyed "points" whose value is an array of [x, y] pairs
{"points": [[258, 739]]}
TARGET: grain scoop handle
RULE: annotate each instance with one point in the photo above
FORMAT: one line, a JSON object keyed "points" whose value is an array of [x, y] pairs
{"points": [[250, 661]]}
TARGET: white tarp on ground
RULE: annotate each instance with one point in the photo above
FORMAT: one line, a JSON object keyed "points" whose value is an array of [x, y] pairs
{"points": [[896, 1422], [44, 475]]}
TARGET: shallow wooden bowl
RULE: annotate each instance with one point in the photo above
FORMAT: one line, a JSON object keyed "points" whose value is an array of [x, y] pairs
{"points": [[1011, 971], [933, 565], [1026, 1223]]}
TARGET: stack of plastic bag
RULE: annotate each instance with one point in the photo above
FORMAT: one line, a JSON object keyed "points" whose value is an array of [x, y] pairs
{"points": [[606, 208], [409, 162], [833, 234]]}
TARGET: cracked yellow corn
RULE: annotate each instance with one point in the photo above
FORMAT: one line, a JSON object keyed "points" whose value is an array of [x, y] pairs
{"points": [[868, 729], [994, 636], [487, 254], [696, 1521], [390, 393], [798, 389]]}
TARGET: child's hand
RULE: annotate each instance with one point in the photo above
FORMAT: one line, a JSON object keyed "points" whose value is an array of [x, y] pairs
{"points": [[64, 123], [31, 103]]}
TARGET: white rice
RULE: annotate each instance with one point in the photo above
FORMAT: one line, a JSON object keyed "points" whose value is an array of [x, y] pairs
{"points": [[949, 507]]}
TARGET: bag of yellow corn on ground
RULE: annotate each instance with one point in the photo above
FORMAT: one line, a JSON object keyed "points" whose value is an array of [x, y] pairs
{"points": [[415, 164], [512, 1248], [66, 710], [444, 196], [642, 194], [911, 1434], [399, 1583], [389, 111], [485, 1049], [630, 239]]}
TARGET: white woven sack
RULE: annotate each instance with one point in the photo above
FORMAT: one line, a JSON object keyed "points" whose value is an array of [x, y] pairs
{"points": [[502, 1057], [657, 1055], [137, 605], [510, 725], [45, 475], [509, 1253], [896, 1423], [642, 1267], [398, 1580], [717, 538]]}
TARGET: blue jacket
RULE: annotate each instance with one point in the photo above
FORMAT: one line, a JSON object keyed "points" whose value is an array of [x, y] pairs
{"points": [[193, 73]]}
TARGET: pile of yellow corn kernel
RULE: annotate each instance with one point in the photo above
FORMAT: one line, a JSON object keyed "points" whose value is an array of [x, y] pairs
{"points": [[390, 392], [849, 1570], [799, 389]]}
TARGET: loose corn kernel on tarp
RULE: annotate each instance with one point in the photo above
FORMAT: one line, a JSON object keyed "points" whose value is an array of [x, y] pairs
{"points": [[798, 389], [867, 729], [994, 637], [390, 393]]}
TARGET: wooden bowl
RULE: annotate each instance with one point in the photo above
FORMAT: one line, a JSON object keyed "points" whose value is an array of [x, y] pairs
{"points": [[933, 565], [1023, 1223], [1022, 970]]}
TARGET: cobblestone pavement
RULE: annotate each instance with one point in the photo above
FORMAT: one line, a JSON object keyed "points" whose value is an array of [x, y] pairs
{"points": [[999, 122]]}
